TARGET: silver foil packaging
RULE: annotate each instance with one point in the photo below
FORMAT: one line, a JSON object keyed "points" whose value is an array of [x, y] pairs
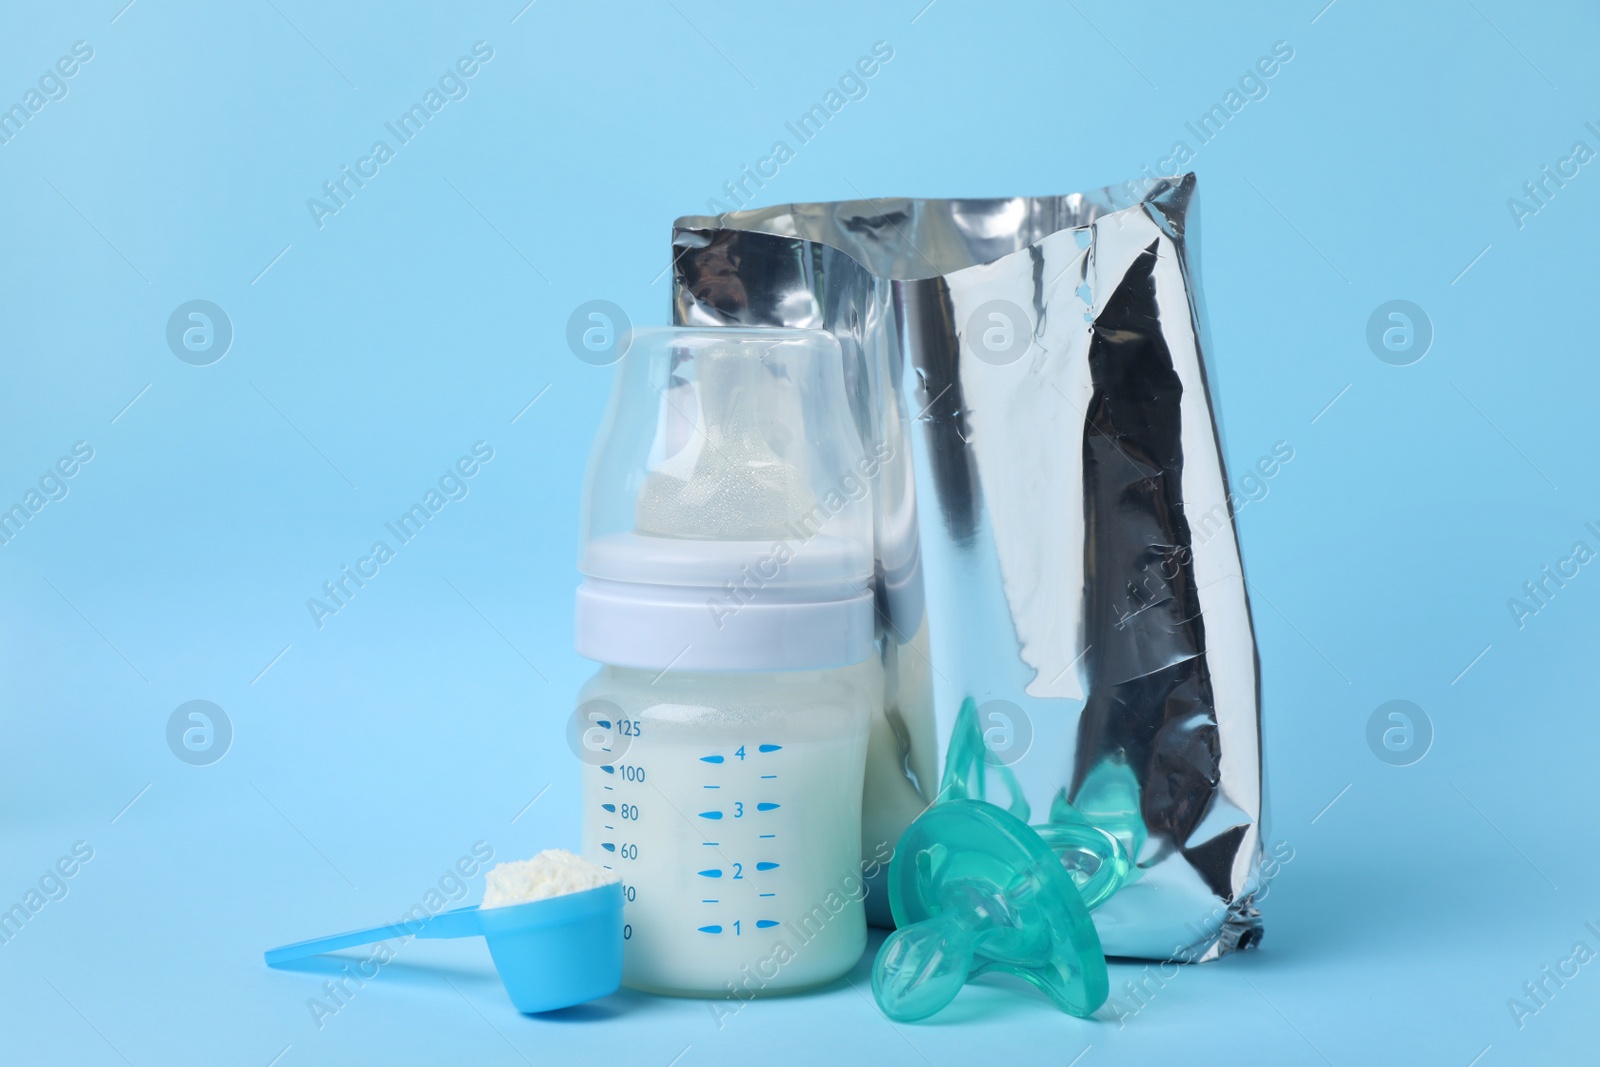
{"points": [[1031, 369]]}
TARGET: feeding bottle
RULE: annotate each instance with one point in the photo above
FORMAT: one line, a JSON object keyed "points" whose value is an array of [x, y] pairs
{"points": [[728, 594]]}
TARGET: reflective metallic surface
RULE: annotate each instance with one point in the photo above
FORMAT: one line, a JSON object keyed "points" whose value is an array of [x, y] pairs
{"points": [[1084, 585]]}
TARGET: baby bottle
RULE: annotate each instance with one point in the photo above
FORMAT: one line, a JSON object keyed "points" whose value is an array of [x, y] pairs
{"points": [[728, 593]]}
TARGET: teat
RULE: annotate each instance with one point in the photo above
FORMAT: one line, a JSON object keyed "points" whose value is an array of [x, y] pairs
{"points": [[974, 889], [727, 483]]}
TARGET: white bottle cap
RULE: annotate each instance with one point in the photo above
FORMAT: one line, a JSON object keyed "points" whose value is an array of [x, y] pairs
{"points": [[727, 513], [662, 602]]}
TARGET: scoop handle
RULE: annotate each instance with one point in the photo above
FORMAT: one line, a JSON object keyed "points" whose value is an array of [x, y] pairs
{"points": [[460, 922]]}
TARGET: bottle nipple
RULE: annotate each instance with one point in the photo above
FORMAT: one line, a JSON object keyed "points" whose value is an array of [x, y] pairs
{"points": [[727, 483]]}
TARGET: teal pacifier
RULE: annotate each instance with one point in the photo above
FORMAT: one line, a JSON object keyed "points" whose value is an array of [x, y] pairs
{"points": [[974, 889]]}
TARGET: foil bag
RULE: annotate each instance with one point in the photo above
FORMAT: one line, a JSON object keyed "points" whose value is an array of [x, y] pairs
{"points": [[1031, 369]]}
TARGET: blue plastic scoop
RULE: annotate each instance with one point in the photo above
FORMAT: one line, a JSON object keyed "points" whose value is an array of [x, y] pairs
{"points": [[550, 953]]}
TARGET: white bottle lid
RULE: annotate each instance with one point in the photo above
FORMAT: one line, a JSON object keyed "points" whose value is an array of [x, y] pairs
{"points": [[727, 508], [659, 603]]}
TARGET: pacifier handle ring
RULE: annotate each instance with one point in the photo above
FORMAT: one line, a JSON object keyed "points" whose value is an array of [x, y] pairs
{"points": [[1086, 839]]}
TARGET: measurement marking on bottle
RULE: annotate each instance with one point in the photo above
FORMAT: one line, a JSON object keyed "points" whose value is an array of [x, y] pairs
{"points": [[609, 788], [710, 759], [711, 814], [764, 806], [714, 872], [711, 787], [764, 776], [708, 902], [769, 894], [612, 808], [609, 846], [766, 924], [766, 836], [711, 929], [766, 866], [608, 827], [769, 748]]}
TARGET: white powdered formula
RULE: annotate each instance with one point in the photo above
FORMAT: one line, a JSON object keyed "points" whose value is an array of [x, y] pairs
{"points": [[554, 872]]}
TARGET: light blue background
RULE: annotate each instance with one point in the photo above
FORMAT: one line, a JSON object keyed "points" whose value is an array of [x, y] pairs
{"points": [[430, 311]]}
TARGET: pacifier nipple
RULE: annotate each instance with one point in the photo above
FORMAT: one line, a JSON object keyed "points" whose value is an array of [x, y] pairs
{"points": [[922, 967], [727, 483]]}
